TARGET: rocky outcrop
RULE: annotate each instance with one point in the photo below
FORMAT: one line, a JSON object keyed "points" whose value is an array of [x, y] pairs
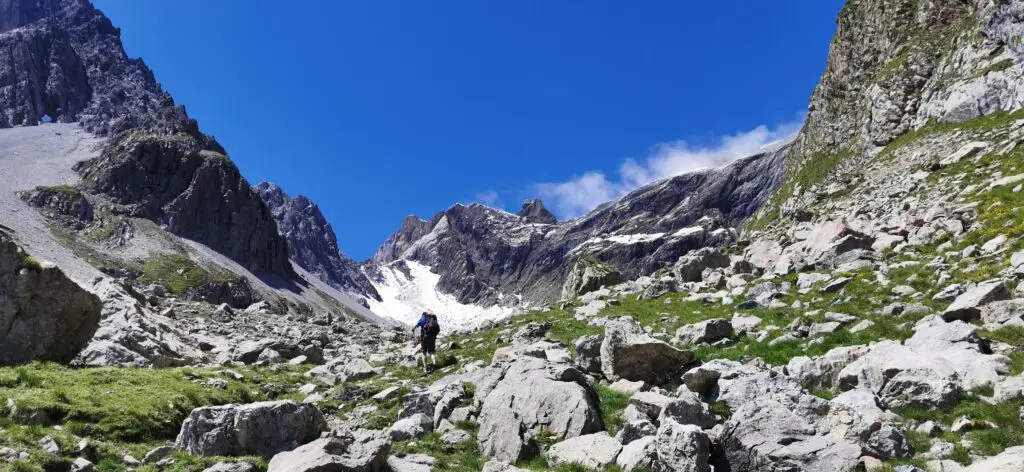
{"points": [[534, 211], [312, 243], [894, 67], [264, 428], [66, 204], [43, 314], [193, 192]]}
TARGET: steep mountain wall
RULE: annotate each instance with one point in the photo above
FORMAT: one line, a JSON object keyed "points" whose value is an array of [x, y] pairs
{"points": [[312, 243]]}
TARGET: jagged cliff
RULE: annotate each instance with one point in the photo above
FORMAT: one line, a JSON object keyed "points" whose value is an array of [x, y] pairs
{"points": [[312, 243], [896, 66], [63, 60]]}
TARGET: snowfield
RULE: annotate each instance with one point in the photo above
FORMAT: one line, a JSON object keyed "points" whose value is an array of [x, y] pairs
{"points": [[405, 297]]}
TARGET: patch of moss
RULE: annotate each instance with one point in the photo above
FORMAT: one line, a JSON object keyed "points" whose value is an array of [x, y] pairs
{"points": [[178, 273]]}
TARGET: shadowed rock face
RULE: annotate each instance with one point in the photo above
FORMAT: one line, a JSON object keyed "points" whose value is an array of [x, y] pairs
{"points": [[64, 60], [195, 193], [312, 243], [43, 314], [481, 252]]}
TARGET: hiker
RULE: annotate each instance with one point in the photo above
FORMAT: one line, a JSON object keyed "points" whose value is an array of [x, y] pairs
{"points": [[429, 328]]}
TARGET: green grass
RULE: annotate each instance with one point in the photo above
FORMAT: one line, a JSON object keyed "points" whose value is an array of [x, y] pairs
{"points": [[31, 263], [1008, 334], [612, 404], [463, 457], [997, 67], [120, 410], [124, 404], [1010, 431], [177, 272]]}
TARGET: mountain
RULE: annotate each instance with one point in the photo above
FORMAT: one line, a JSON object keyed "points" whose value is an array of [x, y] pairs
{"points": [[110, 180], [312, 243], [894, 68], [475, 263]]}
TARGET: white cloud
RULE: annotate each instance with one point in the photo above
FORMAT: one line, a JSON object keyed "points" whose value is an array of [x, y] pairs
{"points": [[583, 193], [489, 198]]}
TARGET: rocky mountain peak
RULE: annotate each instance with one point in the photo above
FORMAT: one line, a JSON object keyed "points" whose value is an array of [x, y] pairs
{"points": [[312, 243], [534, 211], [18, 13]]}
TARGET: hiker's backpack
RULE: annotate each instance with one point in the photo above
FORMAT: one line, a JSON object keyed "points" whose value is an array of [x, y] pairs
{"points": [[431, 327]]}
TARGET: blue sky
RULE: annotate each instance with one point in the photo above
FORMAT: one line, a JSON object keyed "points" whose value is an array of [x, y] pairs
{"points": [[377, 109]]}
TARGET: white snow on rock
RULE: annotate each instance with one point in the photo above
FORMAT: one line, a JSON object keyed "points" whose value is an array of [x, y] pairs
{"points": [[405, 297]]}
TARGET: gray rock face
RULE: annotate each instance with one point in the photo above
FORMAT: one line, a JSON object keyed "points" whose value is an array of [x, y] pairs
{"points": [[627, 352], [535, 397], [534, 211], [967, 307], [360, 453], [312, 243], [43, 314], [64, 60], [263, 428], [172, 180], [481, 252]]}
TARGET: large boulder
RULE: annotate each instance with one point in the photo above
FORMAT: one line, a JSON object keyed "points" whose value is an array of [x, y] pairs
{"points": [[690, 268], [44, 315], [592, 451], [682, 448], [639, 454], [822, 372], [589, 275], [967, 307], [627, 352], [1009, 460], [349, 453], [856, 416], [930, 370], [535, 397], [262, 428], [707, 331]]}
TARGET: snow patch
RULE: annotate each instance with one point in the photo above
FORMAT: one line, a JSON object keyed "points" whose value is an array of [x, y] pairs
{"points": [[688, 231], [405, 297]]}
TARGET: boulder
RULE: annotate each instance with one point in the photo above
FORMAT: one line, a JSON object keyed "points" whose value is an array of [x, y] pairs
{"points": [[1009, 389], [967, 307], [774, 426], [358, 453], [499, 466], [682, 448], [855, 415], [1003, 312], [638, 454], [649, 404], [1009, 460], [225, 466], [822, 372], [687, 409], [534, 397], [931, 370], [411, 427], [263, 428], [707, 331], [44, 315], [627, 352], [690, 268], [410, 463], [592, 451], [588, 353], [588, 275]]}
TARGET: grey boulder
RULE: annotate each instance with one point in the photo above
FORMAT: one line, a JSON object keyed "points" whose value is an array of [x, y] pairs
{"points": [[627, 352], [591, 451], [359, 453], [263, 428], [44, 315], [707, 331]]}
